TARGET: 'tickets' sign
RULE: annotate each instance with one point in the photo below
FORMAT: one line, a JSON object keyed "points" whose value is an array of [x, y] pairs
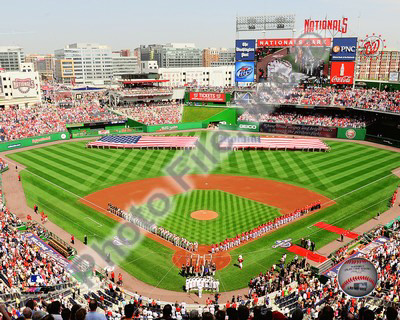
{"points": [[207, 96], [342, 72], [292, 42]]}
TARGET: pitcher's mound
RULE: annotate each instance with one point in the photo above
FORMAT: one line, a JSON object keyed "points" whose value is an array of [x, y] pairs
{"points": [[204, 215]]}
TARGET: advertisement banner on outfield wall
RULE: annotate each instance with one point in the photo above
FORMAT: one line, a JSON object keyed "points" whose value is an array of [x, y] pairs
{"points": [[298, 129], [344, 49], [243, 126], [352, 134], [175, 126], [11, 145], [207, 96], [248, 126], [245, 50]]}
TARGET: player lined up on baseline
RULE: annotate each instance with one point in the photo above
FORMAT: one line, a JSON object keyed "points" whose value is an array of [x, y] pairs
{"points": [[393, 198], [264, 228], [153, 228]]}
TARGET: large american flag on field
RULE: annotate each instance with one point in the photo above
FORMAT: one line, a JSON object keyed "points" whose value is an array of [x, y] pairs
{"points": [[145, 142], [272, 143]]}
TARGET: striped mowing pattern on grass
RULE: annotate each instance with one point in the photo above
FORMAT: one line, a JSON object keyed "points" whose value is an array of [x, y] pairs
{"points": [[235, 215], [358, 176]]}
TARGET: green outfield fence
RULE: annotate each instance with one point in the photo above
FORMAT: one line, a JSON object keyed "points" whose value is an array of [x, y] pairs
{"points": [[242, 126], [226, 118], [15, 144], [176, 126], [108, 130], [351, 134], [342, 133]]}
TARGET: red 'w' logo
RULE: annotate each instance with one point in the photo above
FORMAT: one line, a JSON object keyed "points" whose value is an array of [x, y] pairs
{"points": [[372, 47]]}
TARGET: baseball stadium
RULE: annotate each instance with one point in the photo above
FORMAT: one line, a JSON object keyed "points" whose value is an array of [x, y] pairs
{"points": [[254, 194]]}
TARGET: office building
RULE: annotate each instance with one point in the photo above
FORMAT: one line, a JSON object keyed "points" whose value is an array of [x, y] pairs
{"points": [[92, 62], [11, 58]]}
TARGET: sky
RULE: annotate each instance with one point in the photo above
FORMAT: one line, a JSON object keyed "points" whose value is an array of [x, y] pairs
{"points": [[43, 26]]}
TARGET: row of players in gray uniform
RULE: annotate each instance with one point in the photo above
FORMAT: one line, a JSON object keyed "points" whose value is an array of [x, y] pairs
{"points": [[153, 228], [202, 283]]}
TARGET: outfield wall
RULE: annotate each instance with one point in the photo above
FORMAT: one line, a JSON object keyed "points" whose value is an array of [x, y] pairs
{"points": [[241, 126], [175, 126], [227, 119], [86, 132], [297, 129], [15, 144]]}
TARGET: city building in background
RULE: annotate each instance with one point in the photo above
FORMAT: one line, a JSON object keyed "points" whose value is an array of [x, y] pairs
{"points": [[378, 68], [42, 63], [200, 76], [64, 71], [216, 57], [93, 63], [173, 55], [150, 66], [20, 87], [124, 63], [11, 58]]}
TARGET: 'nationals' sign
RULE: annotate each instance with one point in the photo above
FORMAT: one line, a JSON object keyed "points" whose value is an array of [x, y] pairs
{"points": [[323, 25], [23, 85], [342, 72], [207, 96], [292, 42]]}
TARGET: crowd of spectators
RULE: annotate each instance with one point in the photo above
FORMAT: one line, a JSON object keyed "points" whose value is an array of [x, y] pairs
{"points": [[143, 91], [295, 286], [17, 123], [153, 113], [369, 99], [226, 89], [3, 165], [22, 264], [293, 117], [366, 99]]}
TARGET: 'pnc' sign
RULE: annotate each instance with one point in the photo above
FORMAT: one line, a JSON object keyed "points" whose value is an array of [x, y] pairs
{"points": [[344, 49]]}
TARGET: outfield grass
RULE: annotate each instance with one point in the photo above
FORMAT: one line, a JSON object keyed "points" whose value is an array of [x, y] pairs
{"points": [[358, 177], [235, 215], [195, 114]]}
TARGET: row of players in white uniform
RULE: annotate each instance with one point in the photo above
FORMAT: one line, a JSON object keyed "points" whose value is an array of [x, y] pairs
{"points": [[202, 283], [153, 228]]}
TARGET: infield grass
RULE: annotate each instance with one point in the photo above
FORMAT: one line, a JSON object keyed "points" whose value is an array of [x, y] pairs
{"points": [[356, 176], [235, 215]]}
